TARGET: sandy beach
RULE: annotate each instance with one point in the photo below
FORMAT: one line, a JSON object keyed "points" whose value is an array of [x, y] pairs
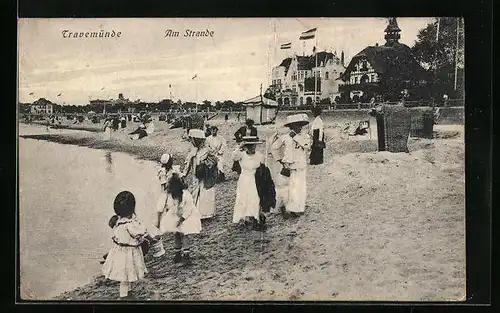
{"points": [[378, 226]]}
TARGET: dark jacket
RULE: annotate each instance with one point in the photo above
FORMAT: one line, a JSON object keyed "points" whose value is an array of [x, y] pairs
{"points": [[265, 188], [242, 132], [208, 172]]}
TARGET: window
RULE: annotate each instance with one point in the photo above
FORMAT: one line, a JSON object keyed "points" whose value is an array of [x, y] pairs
{"points": [[364, 66], [301, 101], [326, 75], [365, 79]]}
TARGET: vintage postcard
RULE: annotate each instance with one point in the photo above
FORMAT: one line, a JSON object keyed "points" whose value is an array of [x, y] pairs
{"points": [[216, 159]]}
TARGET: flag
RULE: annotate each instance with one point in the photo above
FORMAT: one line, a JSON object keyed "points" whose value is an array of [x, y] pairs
{"points": [[102, 88], [31, 93], [195, 76], [310, 34], [286, 45], [59, 94]]}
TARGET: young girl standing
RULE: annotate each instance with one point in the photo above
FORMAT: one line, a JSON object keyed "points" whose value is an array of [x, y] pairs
{"points": [[177, 212], [125, 261]]}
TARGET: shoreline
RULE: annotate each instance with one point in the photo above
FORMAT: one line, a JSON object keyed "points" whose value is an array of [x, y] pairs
{"points": [[231, 264], [149, 153]]}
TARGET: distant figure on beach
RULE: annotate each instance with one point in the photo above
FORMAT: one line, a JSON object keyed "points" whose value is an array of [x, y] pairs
{"points": [[139, 133], [176, 210], [125, 260], [247, 208], [294, 161], [217, 145], [115, 123], [318, 137], [107, 129], [123, 121], [445, 100], [238, 117], [247, 130], [202, 166], [226, 117], [208, 130]]}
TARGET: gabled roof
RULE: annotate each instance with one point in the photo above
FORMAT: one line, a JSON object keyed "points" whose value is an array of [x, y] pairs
{"points": [[389, 61], [42, 101], [260, 100], [307, 62]]}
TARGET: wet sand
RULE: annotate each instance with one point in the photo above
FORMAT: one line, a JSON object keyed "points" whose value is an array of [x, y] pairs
{"points": [[378, 226]]}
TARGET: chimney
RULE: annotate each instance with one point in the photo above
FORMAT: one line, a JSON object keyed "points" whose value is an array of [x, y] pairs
{"points": [[342, 58]]}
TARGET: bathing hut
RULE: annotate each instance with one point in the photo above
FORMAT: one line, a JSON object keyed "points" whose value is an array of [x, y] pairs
{"points": [[262, 110]]}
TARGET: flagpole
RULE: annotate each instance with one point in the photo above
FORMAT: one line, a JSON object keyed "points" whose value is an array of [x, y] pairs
{"points": [[195, 78], [316, 65], [435, 50], [456, 56]]}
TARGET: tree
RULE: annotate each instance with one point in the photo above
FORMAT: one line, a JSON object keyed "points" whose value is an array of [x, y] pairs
{"points": [[228, 105], [218, 105], [440, 56], [165, 104]]}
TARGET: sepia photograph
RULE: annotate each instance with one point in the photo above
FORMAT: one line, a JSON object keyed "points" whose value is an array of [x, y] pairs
{"points": [[241, 159]]}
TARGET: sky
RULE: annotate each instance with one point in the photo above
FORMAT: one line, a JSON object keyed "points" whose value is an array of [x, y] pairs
{"points": [[145, 65]]}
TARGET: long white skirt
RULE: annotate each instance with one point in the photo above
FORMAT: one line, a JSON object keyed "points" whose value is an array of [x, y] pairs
{"points": [[297, 191], [204, 200], [124, 264], [107, 134], [281, 183], [247, 199], [221, 163], [169, 220]]}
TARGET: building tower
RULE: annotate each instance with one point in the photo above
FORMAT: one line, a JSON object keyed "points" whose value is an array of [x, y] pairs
{"points": [[392, 32], [342, 58]]}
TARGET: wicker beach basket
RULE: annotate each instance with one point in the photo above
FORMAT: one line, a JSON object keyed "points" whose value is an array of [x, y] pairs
{"points": [[422, 122], [397, 124]]}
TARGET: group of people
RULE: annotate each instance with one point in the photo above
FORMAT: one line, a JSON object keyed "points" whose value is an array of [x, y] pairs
{"points": [[188, 194]]}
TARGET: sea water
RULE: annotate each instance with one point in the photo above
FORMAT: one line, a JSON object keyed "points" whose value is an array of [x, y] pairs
{"points": [[66, 196]]}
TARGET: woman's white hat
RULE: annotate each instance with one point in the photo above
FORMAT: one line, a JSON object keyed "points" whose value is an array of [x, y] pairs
{"points": [[197, 133], [300, 119], [165, 158]]}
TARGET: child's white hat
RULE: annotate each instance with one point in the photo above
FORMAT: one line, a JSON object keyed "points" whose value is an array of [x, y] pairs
{"points": [[165, 158]]}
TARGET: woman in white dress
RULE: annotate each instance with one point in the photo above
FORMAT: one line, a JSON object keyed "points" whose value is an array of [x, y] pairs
{"points": [[247, 205], [295, 146]]}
